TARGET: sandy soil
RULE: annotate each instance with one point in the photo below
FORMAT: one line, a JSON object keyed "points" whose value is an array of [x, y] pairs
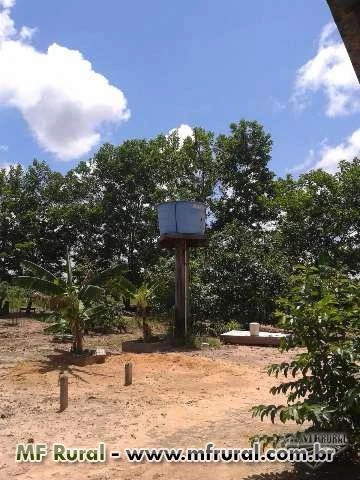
{"points": [[176, 400]]}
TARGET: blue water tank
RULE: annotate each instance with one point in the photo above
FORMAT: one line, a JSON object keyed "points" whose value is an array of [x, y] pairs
{"points": [[181, 217]]}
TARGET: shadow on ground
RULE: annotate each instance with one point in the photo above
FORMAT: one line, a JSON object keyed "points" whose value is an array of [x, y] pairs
{"points": [[63, 361]]}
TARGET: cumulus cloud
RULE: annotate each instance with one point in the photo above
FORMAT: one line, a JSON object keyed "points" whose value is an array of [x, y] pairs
{"points": [[7, 27], [306, 164], [182, 132], [26, 33], [62, 99], [330, 71], [330, 156], [327, 156], [7, 3]]}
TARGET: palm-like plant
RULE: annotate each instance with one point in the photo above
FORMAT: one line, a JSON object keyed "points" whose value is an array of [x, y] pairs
{"points": [[141, 298], [74, 301]]}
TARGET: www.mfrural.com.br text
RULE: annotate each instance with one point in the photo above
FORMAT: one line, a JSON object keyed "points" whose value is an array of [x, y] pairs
{"points": [[59, 453]]}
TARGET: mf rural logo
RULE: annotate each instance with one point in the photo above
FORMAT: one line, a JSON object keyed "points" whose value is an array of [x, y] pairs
{"points": [[317, 444]]}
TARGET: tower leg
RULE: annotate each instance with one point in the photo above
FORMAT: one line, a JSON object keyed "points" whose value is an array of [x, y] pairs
{"points": [[181, 292]]}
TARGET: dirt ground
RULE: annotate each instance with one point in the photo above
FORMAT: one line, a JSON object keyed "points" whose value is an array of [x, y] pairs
{"points": [[176, 400]]}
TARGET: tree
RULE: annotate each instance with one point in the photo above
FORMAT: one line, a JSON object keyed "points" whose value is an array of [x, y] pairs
{"points": [[318, 215], [128, 177], [11, 226], [74, 301], [244, 176], [322, 312], [75, 218], [191, 173], [27, 231], [238, 276]]}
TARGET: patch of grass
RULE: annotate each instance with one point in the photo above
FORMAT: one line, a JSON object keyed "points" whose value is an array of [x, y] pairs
{"points": [[232, 325], [201, 342]]}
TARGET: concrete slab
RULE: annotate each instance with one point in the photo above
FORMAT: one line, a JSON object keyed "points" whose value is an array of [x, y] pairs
{"points": [[243, 337]]}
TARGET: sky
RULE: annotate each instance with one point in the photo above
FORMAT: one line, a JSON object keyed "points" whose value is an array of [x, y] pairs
{"points": [[76, 74]]}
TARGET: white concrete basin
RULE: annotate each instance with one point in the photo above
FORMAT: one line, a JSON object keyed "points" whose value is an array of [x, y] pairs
{"points": [[243, 337]]}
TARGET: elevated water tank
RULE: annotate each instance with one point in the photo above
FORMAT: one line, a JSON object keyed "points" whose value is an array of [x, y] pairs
{"points": [[183, 217]]}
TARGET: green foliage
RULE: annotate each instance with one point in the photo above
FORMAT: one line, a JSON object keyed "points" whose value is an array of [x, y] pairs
{"points": [[259, 226], [106, 317], [322, 311], [318, 214], [244, 177], [200, 342], [141, 298], [3, 292], [75, 302], [239, 276], [59, 325], [213, 328], [16, 296], [162, 278], [232, 325]]}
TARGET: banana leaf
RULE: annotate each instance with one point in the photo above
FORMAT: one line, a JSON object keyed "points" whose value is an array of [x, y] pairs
{"points": [[38, 285], [42, 273]]}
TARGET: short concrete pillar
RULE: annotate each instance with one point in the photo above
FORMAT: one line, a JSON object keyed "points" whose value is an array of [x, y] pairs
{"points": [[128, 373], [64, 391], [254, 329]]}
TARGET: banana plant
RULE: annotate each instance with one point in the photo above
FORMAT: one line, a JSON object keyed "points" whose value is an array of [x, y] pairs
{"points": [[74, 301], [141, 298]]}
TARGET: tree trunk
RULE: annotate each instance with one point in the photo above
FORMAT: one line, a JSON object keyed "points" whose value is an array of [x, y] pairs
{"points": [[146, 330], [78, 345]]}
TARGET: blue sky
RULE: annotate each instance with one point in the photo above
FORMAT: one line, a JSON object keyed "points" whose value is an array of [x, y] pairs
{"points": [[201, 63]]}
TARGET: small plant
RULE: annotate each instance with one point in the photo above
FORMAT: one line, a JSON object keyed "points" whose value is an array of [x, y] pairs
{"points": [[213, 328], [12, 297], [59, 326], [199, 342], [232, 325], [322, 310], [141, 299]]}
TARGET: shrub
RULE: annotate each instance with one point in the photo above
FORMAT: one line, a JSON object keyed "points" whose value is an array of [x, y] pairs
{"points": [[106, 317], [213, 328], [323, 312], [59, 325]]}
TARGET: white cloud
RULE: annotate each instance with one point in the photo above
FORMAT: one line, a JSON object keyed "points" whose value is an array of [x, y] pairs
{"points": [[331, 155], [327, 156], [62, 99], [7, 27], [301, 167], [26, 33], [6, 166], [277, 105], [331, 72], [182, 132], [7, 3], [4, 148]]}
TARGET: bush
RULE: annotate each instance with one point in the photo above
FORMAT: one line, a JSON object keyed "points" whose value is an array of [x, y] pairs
{"points": [[106, 317], [16, 296], [323, 312], [199, 342], [213, 328], [59, 327]]}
